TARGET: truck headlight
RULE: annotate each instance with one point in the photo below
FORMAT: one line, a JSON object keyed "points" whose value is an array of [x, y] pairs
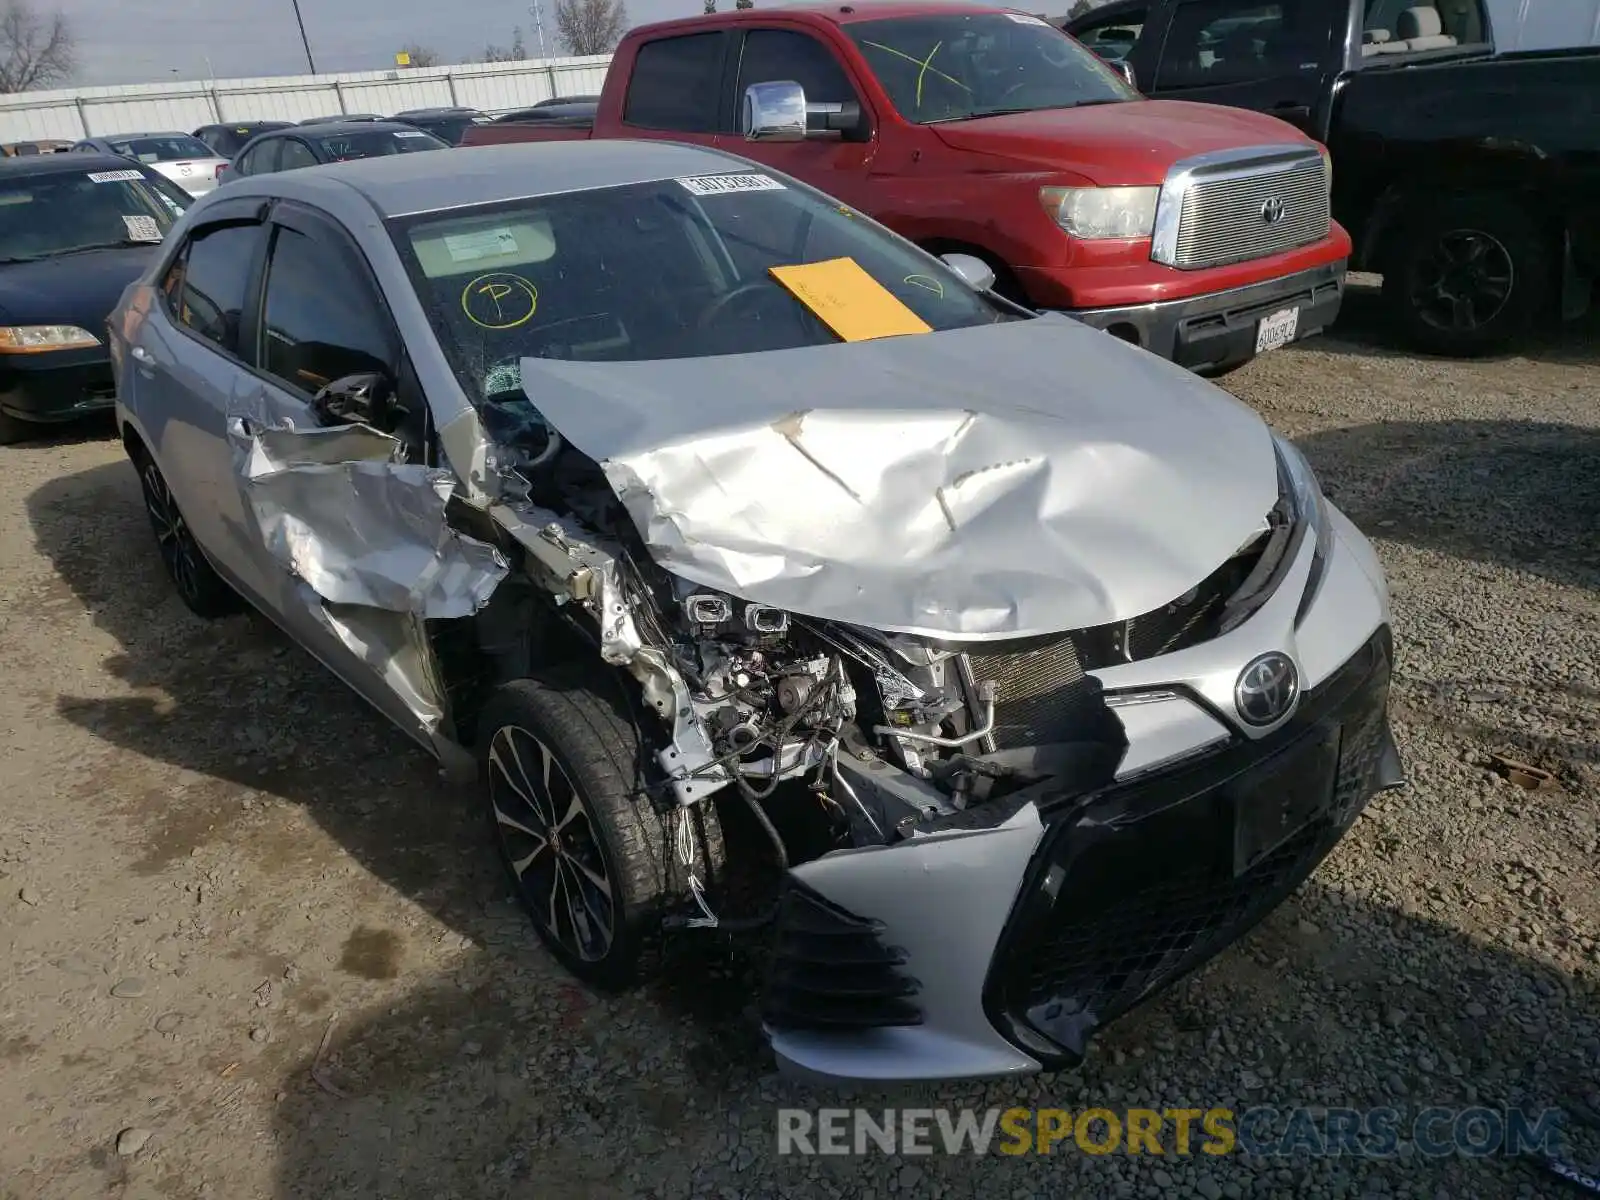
{"points": [[1102, 212], [36, 339]]}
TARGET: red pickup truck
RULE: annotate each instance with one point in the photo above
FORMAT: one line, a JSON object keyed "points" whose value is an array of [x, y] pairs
{"points": [[1199, 232]]}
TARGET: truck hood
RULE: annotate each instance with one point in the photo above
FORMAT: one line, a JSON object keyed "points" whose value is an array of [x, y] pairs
{"points": [[1117, 144], [994, 482]]}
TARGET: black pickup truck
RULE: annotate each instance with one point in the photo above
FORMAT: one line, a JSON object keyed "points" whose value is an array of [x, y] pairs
{"points": [[1470, 179]]}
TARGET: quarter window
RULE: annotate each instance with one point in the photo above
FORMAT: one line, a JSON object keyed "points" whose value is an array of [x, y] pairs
{"points": [[676, 84], [215, 275], [319, 322], [294, 153]]}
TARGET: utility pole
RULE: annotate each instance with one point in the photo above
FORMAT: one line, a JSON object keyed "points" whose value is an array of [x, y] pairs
{"points": [[537, 11], [304, 40]]}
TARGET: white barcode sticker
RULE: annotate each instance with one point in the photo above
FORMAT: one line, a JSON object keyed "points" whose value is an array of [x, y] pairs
{"points": [[486, 243], [142, 229], [1025, 19], [409, 133], [721, 185], [115, 176]]}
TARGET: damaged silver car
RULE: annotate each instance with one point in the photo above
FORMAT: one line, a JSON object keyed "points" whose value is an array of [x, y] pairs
{"points": [[772, 576]]}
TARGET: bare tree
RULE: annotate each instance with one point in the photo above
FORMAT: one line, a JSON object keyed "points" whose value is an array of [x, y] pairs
{"points": [[591, 26], [711, 7], [35, 50], [743, 4], [515, 52], [421, 56], [1078, 9]]}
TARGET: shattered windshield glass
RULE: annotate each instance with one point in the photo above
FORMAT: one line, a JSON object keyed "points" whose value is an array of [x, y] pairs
{"points": [[679, 268], [953, 67]]}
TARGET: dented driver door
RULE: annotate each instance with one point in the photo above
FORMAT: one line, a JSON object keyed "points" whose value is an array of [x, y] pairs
{"points": [[347, 520]]}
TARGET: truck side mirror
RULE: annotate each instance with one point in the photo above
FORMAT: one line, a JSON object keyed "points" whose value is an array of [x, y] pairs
{"points": [[774, 112], [975, 273]]}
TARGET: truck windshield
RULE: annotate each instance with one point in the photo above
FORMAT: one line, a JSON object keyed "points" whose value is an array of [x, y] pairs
{"points": [[679, 268], [959, 66]]}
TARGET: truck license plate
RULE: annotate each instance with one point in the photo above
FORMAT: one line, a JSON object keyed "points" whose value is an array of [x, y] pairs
{"points": [[1277, 330]]}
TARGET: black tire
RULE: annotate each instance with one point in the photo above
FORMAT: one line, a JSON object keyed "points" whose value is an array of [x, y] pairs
{"points": [[14, 430], [599, 893], [1466, 276], [198, 585]]}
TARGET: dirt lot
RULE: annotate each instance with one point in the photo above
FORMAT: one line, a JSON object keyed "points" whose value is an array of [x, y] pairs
{"points": [[214, 856]]}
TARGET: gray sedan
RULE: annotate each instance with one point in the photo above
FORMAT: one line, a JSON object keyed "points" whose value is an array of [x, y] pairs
{"points": [[771, 577], [181, 157]]}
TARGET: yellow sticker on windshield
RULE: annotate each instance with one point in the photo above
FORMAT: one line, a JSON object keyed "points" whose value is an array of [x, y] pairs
{"points": [[852, 303]]}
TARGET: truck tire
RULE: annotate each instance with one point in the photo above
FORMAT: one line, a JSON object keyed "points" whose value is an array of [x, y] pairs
{"points": [[588, 855], [1466, 276]]}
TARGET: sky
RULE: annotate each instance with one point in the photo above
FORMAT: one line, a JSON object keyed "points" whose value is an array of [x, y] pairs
{"points": [[143, 41]]}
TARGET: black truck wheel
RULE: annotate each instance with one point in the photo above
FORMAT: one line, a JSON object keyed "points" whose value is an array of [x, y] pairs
{"points": [[1466, 276], [199, 586], [589, 856]]}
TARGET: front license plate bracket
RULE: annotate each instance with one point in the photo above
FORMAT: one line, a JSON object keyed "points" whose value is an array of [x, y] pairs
{"points": [[1273, 807]]}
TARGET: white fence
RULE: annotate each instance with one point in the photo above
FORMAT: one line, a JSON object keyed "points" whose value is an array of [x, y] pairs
{"points": [[492, 87]]}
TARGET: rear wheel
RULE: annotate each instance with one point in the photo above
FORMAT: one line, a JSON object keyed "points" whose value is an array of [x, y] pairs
{"points": [[1467, 276], [592, 861], [197, 584]]}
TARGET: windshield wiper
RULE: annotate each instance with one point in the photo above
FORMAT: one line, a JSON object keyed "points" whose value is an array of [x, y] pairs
{"points": [[19, 258], [1006, 112], [117, 244]]}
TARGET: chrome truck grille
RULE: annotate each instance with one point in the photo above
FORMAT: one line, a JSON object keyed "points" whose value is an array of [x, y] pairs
{"points": [[1232, 207]]}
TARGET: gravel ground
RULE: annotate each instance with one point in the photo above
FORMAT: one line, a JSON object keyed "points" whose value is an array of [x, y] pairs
{"points": [[217, 861]]}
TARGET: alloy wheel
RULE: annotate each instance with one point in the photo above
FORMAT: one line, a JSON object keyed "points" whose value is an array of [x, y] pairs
{"points": [[550, 845], [176, 544], [1463, 282]]}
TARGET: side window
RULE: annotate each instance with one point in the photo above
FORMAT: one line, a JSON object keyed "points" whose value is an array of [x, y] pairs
{"points": [[215, 275], [676, 84], [245, 164], [172, 284], [1212, 42], [293, 153], [1112, 39], [772, 54], [319, 322]]}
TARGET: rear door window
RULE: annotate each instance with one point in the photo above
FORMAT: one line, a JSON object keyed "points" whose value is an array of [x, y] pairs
{"points": [[676, 84], [215, 277], [293, 154]]}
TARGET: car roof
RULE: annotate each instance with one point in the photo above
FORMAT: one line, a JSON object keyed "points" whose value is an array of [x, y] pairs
{"points": [[449, 110], [405, 184], [125, 137], [325, 128], [64, 164], [839, 14]]}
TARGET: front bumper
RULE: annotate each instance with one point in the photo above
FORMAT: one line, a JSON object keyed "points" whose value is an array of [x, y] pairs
{"points": [[1219, 331], [60, 385], [1000, 947]]}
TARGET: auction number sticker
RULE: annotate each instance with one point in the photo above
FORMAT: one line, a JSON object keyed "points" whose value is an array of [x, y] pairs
{"points": [[487, 243], [1025, 19], [115, 176], [410, 133], [721, 185]]}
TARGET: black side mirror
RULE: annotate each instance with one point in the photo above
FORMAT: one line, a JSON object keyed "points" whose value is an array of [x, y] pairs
{"points": [[364, 399]]}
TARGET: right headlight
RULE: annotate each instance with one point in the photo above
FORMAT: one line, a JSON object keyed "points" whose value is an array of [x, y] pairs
{"points": [[1095, 213], [1310, 507], [39, 339]]}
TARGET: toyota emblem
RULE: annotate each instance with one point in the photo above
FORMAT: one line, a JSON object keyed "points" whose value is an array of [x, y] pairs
{"points": [[1267, 690], [1272, 210]]}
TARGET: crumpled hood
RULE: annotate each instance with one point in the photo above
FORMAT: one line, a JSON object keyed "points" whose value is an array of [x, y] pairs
{"points": [[993, 482], [1118, 144]]}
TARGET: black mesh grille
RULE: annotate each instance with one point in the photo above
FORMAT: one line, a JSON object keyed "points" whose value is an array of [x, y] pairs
{"points": [[830, 970], [1132, 890], [1043, 692]]}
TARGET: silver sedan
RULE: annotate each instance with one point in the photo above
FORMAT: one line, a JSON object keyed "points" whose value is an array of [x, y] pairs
{"points": [[181, 157], [772, 577]]}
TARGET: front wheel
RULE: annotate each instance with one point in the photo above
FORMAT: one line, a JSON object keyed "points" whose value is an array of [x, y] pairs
{"points": [[593, 862], [1467, 276]]}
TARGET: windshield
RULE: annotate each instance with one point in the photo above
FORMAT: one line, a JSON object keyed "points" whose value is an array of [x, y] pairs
{"points": [[952, 67], [64, 211], [165, 148], [373, 143], [671, 269], [449, 129]]}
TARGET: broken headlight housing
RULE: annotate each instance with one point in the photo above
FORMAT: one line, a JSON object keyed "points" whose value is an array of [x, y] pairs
{"points": [[1310, 509]]}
